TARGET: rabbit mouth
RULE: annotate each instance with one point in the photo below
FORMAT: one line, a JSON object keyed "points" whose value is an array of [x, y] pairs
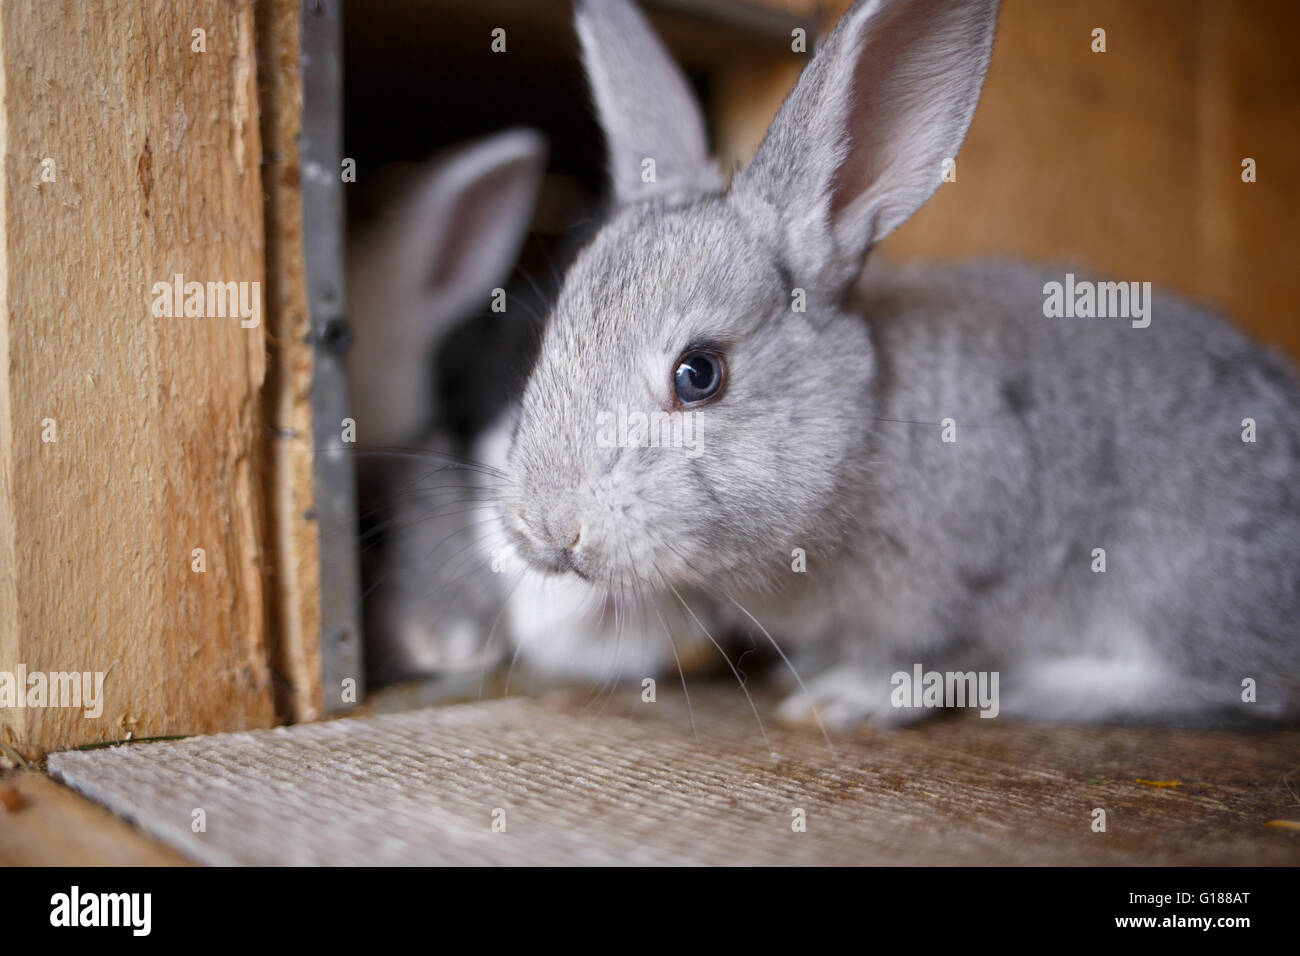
{"points": [[561, 561], [549, 560], [544, 552]]}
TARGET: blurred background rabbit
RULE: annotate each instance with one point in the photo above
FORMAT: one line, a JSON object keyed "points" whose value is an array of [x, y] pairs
{"points": [[442, 235]]}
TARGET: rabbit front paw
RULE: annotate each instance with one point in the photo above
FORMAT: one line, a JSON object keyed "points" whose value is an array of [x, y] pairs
{"points": [[845, 697]]}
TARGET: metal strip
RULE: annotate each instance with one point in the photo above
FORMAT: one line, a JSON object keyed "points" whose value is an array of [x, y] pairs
{"points": [[342, 655]]}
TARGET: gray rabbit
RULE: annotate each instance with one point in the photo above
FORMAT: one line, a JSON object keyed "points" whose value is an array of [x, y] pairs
{"points": [[1103, 514]]}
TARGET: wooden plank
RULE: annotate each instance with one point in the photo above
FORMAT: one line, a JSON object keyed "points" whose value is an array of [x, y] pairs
{"points": [[616, 779], [155, 151], [45, 824], [293, 539], [963, 790], [743, 99]]}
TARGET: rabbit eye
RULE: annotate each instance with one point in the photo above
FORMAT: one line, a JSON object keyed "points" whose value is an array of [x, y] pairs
{"points": [[699, 376]]}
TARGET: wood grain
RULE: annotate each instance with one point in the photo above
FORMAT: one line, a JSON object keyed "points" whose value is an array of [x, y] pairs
{"points": [[50, 825], [293, 538], [615, 780], [159, 420]]}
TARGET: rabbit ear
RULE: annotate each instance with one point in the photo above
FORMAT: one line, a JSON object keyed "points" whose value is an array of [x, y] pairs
{"points": [[860, 142], [469, 217], [654, 131], [456, 234]]}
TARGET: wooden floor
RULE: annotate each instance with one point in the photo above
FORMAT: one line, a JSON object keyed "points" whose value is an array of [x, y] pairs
{"points": [[960, 790], [45, 824]]}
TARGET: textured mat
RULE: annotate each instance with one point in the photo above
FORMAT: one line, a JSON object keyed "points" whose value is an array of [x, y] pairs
{"points": [[632, 785]]}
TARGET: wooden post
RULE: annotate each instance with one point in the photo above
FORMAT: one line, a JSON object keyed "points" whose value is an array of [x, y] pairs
{"points": [[131, 444], [293, 536]]}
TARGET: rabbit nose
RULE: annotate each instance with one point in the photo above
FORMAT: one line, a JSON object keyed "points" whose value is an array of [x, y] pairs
{"points": [[552, 540], [555, 552], [565, 533]]}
